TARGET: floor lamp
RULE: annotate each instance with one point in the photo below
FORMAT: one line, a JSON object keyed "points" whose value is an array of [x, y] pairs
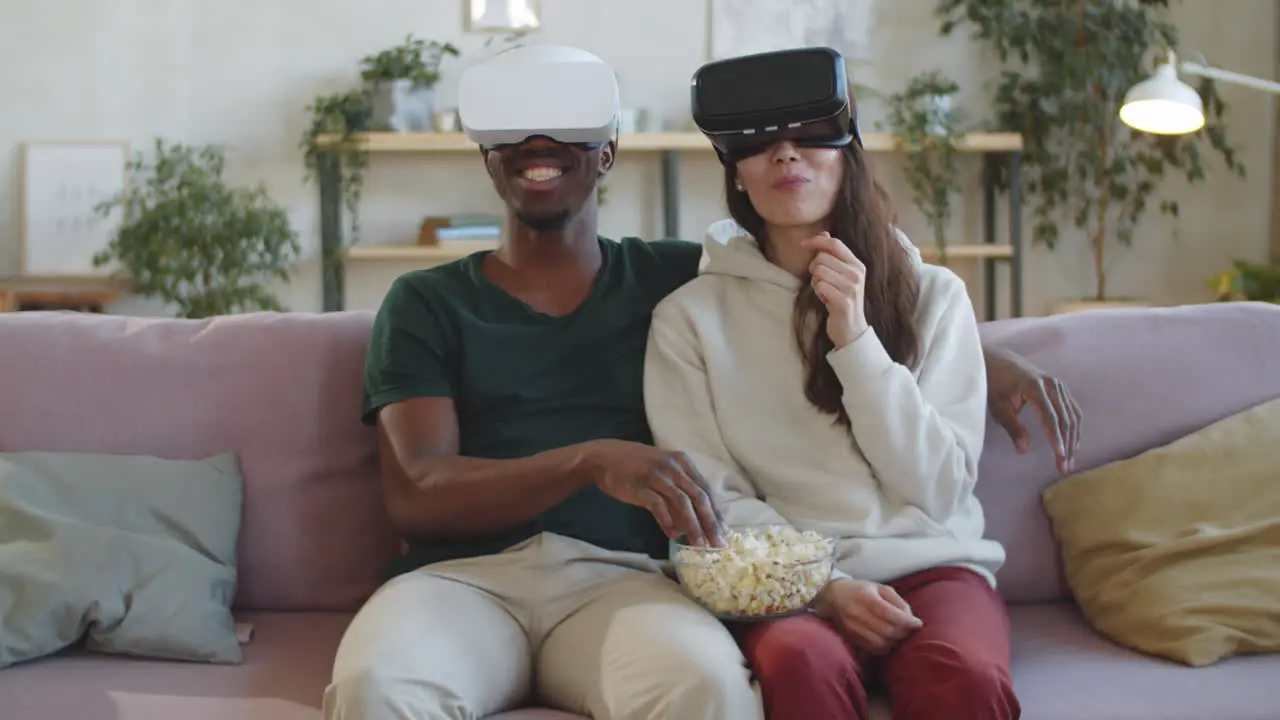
{"points": [[1164, 105]]}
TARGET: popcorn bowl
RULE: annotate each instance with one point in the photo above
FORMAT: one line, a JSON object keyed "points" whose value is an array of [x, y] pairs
{"points": [[763, 572]]}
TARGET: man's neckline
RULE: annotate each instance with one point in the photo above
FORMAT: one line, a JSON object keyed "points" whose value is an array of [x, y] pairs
{"points": [[597, 284]]}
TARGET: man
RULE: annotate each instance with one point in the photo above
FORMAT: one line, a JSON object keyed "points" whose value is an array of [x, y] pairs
{"points": [[507, 392]]}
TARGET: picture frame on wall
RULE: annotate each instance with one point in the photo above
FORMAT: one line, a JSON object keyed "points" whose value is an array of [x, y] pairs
{"points": [[746, 27], [61, 184], [502, 16]]}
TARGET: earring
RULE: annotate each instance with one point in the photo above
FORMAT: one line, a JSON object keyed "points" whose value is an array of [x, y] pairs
{"points": [[737, 184]]}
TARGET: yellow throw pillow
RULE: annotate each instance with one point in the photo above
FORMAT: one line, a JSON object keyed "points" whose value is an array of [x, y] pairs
{"points": [[1176, 552]]}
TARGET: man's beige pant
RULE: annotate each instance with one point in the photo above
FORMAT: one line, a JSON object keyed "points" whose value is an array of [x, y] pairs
{"points": [[595, 632]]}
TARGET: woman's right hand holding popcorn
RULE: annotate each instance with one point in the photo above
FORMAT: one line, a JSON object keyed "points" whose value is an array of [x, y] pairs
{"points": [[870, 615]]}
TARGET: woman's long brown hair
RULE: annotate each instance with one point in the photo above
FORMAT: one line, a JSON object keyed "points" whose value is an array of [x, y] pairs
{"points": [[862, 219]]}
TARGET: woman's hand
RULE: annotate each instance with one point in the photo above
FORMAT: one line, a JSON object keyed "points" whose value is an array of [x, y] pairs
{"points": [[838, 277], [870, 615]]}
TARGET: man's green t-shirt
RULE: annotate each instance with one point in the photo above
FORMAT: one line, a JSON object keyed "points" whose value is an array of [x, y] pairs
{"points": [[524, 382]]}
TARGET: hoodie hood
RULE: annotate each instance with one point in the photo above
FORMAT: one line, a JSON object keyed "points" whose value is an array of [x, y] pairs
{"points": [[728, 249]]}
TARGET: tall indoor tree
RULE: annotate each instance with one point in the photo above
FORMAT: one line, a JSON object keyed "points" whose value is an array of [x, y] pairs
{"points": [[1066, 66]]}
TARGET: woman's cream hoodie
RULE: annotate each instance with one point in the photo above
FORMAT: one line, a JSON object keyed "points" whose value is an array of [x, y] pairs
{"points": [[724, 383]]}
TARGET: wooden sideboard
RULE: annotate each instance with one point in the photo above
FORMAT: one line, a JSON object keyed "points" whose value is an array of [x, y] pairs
{"points": [[38, 292]]}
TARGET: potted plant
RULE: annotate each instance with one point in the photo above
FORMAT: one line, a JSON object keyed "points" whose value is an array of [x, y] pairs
{"points": [[1247, 281], [401, 81], [342, 114], [1067, 67], [925, 125], [189, 239]]}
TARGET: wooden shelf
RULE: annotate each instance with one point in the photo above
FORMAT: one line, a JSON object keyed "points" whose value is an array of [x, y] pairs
{"points": [[451, 250], [461, 248], [995, 150], [392, 142], [971, 251]]}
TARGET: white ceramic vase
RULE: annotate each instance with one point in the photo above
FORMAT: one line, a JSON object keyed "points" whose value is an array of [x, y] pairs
{"points": [[403, 106]]}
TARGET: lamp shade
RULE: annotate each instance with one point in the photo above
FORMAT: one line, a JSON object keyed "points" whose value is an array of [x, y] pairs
{"points": [[1162, 104]]}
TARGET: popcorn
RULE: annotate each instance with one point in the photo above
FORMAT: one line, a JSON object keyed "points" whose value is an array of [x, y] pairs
{"points": [[761, 571]]}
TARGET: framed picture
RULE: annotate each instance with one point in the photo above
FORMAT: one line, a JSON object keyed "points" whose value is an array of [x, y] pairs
{"points": [[503, 16], [745, 27], [61, 184]]}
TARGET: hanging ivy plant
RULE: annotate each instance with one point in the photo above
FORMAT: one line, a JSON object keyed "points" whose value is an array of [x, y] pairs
{"points": [[342, 114]]}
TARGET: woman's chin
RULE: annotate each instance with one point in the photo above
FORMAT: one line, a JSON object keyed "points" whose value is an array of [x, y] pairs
{"points": [[795, 221], [795, 214]]}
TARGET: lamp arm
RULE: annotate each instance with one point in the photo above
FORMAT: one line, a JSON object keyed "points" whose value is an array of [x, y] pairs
{"points": [[1227, 76]]}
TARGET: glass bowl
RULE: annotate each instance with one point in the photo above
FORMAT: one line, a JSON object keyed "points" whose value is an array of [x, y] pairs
{"points": [[763, 572]]}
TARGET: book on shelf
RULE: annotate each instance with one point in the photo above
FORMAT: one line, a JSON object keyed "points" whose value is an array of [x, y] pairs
{"points": [[437, 230]]}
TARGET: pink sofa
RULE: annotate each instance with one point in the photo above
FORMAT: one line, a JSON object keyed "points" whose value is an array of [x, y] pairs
{"points": [[283, 391]]}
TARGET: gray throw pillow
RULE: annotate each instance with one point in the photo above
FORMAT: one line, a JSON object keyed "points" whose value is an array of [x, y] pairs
{"points": [[135, 555]]}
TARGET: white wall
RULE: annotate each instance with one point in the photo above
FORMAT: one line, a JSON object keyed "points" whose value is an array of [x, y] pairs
{"points": [[241, 72]]}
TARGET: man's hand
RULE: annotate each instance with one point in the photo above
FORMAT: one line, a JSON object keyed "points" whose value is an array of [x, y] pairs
{"points": [[1012, 383], [663, 482], [869, 615]]}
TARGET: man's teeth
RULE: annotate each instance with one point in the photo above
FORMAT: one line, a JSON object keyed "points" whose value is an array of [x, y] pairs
{"points": [[541, 174]]}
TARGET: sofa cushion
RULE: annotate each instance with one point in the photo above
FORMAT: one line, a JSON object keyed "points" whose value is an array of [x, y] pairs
{"points": [[281, 390], [134, 554], [1063, 670], [1143, 377], [1167, 552]]}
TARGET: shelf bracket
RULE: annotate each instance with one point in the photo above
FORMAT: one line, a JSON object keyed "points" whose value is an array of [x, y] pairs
{"points": [[670, 194], [329, 169]]}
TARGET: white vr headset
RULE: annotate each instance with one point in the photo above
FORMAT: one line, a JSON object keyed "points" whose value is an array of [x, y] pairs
{"points": [[564, 93]]}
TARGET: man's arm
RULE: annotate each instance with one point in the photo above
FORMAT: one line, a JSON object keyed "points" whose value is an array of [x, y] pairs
{"points": [[1013, 383], [430, 490], [412, 376], [411, 379]]}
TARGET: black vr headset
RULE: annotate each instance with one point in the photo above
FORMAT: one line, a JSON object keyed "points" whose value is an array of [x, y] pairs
{"points": [[746, 104]]}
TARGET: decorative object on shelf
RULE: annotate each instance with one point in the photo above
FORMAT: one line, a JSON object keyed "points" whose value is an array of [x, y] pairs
{"points": [[401, 81], [340, 116], [189, 239], [438, 231], [925, 123], [62, 183], [1247, 281], [744, 27], [1066, 69], [503, 15], [1164, 105], [446, 120]]}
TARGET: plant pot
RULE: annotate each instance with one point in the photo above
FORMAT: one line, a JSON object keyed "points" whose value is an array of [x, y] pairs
{"points": [[358, 119], [1063, 307], [937, 110], [402, 106]]}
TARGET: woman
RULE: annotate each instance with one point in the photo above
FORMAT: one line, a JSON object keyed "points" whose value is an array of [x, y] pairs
{"points": [[821, 375]]}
